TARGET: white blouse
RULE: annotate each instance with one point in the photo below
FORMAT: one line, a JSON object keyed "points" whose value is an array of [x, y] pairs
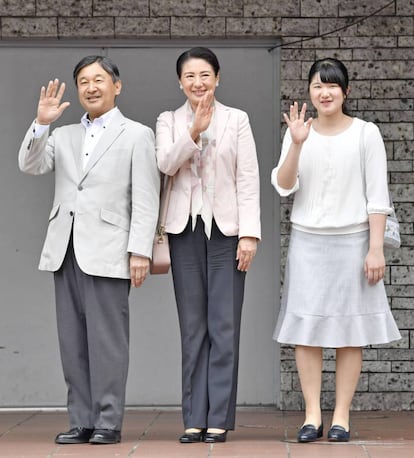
{"points": [[329, 191]]}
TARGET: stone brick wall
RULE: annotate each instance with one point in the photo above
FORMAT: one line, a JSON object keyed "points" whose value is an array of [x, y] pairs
{"points": [[379, 52]]}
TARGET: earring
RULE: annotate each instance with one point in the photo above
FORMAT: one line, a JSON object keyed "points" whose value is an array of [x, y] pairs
{"points": [[217, 83], [181, 86]]}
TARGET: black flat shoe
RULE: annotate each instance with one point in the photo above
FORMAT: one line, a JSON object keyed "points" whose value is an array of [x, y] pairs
{"points": [[105, 436], [211, 438], [74, 436], [191, 438], [309, 433], [338, 434]]}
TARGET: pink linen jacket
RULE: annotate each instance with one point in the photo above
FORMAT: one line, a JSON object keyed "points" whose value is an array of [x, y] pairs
{"points": [[236, 205]]}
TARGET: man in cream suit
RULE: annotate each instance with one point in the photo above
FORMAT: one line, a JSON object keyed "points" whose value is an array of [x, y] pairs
{"points": [[99, 239]]}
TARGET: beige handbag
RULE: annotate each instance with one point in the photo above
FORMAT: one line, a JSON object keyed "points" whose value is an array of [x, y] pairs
{"points": [[161, 261]]}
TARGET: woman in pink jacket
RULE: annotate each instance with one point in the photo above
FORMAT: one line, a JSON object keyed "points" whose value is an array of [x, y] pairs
{"points": [[213, 223]]}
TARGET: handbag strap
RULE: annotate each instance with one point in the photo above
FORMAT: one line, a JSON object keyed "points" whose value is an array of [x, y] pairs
{"points": [[362, 158], [165, 200], [165, 193]]}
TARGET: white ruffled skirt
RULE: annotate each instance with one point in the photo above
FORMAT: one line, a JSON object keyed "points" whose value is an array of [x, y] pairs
{"points": [[326, 300]]}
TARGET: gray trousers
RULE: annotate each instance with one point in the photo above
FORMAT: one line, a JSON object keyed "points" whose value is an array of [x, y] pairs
{"points": [[209, 293], [93, 329]]}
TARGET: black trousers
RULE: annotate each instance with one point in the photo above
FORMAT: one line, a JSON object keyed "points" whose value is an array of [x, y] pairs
{"points": [[209, 293]]}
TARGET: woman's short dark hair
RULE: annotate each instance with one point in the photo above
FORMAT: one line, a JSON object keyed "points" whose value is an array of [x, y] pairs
{"points": [[103, 61], [198, 53], [330, 71]]}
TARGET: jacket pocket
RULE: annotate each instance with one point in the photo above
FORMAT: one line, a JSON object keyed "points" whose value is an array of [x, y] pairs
{"points": [[113, 218], [53, 213]]}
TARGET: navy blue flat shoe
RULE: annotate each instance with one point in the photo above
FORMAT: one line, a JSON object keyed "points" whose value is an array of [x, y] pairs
{"points": [[309, 433], [212, 438], [192, 438], [338, 434]]}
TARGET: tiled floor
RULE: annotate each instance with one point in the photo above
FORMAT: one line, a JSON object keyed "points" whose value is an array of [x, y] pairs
{"points": [[260, 432]]}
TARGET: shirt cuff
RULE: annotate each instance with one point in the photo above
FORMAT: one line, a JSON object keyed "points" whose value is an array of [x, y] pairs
{"points": [[282, 191], [40, 129], [377, 208]]}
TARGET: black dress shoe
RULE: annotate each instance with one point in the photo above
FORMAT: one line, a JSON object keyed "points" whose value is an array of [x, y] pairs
{"points": [[211, 438], [74, 436], [105, 436], [309, 433], [338, 434], [191, 438]]}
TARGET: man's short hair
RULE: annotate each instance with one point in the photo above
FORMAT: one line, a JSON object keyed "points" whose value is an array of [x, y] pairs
{"points": [[103, 61]]}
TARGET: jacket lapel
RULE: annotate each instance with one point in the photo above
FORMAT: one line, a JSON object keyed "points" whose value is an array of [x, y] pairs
{"points": [[222, 118], [77, 139], [180, 121], [114, 130]]}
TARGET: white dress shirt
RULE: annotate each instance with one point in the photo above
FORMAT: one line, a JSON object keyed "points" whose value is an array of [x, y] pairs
{"points": [[93, 132]]}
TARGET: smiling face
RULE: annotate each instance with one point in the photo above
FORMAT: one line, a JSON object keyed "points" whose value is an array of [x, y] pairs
{"points": [[327, 98], [197, 77], [96, 90]]}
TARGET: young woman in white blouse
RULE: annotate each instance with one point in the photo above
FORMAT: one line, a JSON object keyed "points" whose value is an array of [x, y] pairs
{"points": [[333, 294]]}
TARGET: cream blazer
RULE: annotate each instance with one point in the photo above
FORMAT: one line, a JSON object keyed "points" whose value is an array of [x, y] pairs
{"points": [[236, 205], [112, 205]]}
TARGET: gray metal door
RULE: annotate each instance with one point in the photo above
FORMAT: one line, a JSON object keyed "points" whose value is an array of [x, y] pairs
{"points": [[30, 372]]}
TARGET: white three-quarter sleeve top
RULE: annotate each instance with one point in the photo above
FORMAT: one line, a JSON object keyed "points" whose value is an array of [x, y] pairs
{"points": [[334, 191]]}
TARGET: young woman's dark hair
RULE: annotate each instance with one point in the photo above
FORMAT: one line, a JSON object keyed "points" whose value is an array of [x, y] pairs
{"points": [[331, 71], [198, 53], [103, 61]]}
